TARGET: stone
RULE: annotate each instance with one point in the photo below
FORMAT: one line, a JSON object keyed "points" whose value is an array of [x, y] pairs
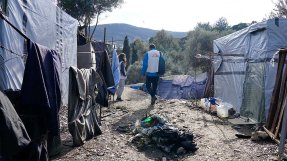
{"points": [[100, 154]]}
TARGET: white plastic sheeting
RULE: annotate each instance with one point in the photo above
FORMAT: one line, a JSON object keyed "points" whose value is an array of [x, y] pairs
{"points": [[244, 75], [44, 23]]}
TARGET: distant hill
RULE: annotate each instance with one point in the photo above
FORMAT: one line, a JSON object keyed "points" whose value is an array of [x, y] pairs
{"points": [[118, 31]]}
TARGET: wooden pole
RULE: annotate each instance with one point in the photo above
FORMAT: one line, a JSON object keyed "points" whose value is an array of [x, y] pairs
{"points": [[276, 91]]}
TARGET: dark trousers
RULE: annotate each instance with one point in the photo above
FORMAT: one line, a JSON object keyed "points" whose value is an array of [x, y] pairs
{"points": [[151, 84]]}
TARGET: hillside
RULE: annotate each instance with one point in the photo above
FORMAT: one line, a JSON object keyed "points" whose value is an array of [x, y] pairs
{"points": [[118, 31]]}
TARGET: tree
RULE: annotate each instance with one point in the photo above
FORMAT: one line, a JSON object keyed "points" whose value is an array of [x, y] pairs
{"points": [[239, 26], [164, 42], [126, 49], [221, 24], [134, 56], [199, 41], [138, 49], [174, 62], [134, 73], [280, 9], [205, 26], [86, 10]]}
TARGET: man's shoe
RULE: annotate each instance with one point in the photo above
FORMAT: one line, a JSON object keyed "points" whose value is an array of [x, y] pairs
{"points": [[153, 100], [119, 99]]}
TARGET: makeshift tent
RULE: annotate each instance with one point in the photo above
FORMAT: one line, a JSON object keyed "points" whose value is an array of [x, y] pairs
{"points": [[182, 87], [243, 73], [86, 57], [44, 23]]}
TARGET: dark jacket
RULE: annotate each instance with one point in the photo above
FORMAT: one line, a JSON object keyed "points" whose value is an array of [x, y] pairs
{"points": [[122, 69]]}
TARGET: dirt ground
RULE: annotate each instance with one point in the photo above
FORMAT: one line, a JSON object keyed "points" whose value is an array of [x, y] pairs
{"points": [[214, 137]]}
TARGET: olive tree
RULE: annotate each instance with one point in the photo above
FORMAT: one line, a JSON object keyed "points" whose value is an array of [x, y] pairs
{"points": [[87, 10]]}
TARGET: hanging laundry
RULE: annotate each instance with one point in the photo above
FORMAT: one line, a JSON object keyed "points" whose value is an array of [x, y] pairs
{"points": [[41, 97], [103, 63], [104, 70], [13, 136], [116, 72], [82, 117]]}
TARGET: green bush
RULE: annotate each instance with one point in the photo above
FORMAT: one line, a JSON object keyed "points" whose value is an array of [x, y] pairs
{"points": [[134, 73]]}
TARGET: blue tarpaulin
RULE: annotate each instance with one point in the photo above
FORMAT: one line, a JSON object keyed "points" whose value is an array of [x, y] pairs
{"points": [[182, 87]]}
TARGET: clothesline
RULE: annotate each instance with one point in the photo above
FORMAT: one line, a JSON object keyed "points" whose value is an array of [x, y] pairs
{"points": [[2, 16], [12, 52], [22, 56]]}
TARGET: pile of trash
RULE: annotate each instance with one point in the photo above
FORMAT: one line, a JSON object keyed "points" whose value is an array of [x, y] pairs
{"points": [[218, 107], [156, 131]]}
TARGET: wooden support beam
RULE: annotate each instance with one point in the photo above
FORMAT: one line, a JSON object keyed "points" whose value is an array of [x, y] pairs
{"points": [[278, 127], [276, 91], [272, 136], [280, 106]]}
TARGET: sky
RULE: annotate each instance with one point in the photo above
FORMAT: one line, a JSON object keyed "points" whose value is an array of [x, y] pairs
{"points": [[183, 15]]}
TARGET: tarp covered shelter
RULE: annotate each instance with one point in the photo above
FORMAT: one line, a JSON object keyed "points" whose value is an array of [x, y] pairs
{"points": [[243, 73], [44, 23], [182, 86]]}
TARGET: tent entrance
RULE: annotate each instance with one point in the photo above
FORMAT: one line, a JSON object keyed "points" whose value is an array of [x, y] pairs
{"points": [[253, 104]]}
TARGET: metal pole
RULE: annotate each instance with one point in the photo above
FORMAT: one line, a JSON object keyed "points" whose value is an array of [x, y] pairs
{"points": [[113, 42], [195, 66], [105, 35]]}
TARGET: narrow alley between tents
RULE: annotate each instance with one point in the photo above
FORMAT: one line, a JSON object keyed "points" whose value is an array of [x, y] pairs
{"points": [[215, 137]]}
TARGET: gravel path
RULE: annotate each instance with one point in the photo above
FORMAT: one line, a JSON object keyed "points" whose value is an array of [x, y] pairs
{"points": [[215, 138]]}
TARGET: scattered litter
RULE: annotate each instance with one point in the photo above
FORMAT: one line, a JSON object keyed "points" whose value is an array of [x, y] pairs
{"points": [[155, 130]]}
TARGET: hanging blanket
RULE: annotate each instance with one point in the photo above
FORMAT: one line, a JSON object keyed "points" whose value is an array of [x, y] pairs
{"points": [[82, 117]]}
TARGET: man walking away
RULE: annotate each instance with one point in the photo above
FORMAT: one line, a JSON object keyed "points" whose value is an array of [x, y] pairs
{"points": [[150, 69]]}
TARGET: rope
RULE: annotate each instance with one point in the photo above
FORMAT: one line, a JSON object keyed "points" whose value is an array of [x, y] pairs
{"points": [[12, 52], [2, 16]]}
